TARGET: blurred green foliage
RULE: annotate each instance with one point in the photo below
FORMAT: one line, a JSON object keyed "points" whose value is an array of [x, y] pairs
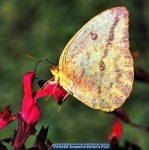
{"points": [[42, 29]]}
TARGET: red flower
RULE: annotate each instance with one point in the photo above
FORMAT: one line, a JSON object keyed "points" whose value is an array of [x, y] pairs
{"points": [[5, 117], [116, 131], [30, 113]]}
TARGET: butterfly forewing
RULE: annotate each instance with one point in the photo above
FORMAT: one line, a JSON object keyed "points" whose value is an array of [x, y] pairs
{"points": [[96, 65]]}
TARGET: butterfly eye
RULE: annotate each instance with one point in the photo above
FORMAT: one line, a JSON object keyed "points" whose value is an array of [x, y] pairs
{"points": [[54, 70]]}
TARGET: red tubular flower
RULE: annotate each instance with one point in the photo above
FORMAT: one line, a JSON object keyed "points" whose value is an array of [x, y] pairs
{"points": [[5, 117], [30, 113], [116, 131]]}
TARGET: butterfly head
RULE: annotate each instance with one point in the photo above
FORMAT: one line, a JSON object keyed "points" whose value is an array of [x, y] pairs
{"points": [[55, 71]]}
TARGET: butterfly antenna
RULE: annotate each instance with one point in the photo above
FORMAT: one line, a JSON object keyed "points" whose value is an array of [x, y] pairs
{"points": [[29, 56], [50, 62], [38, 63]]}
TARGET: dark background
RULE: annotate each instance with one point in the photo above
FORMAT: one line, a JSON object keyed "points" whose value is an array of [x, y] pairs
{"points": [[42, 29]]}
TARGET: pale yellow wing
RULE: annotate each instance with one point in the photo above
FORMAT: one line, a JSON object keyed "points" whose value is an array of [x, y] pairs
{"points": [[96, 65]]}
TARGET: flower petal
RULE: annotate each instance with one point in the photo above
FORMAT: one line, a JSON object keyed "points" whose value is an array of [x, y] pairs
{"points": [[52, 88], [5, 117], [116, 131], [30, 111]]}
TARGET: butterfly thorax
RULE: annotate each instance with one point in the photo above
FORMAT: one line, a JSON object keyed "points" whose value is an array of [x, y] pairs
{"points": [[60, 77]]}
